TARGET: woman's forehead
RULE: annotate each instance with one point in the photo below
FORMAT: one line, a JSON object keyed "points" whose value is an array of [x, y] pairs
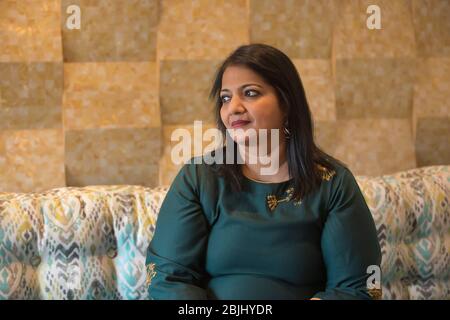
{"points": [[236, 76]]}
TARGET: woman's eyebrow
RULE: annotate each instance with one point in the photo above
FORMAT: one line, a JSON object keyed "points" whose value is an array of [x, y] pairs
{"points": [[243, 86]]}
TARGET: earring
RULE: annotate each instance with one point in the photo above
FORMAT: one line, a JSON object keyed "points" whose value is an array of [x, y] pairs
{"points": [[287, 134]]}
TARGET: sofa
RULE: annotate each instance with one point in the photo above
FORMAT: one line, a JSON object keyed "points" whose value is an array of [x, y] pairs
{"points": [[90, 242]]}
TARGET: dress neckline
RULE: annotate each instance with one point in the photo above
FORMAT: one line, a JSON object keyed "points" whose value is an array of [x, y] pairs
{"points": [[266, 182], [256, 186]]}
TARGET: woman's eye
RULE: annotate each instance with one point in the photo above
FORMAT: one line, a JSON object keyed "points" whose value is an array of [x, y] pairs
{"points": [[251, 93], [224, 99], [248, 93]]}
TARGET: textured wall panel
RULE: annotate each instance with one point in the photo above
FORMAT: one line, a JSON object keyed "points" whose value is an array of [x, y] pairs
{"points": [[111, 95], [432, 141], [394, 39], [432, 26], [431, 91], [185, 86], [30, 31], [202, 29], [31, 160], [169, 169], [374, 88], [319, 87], [301, 28], [111, 30], [369, 147], [112, 156], [31, 95]]}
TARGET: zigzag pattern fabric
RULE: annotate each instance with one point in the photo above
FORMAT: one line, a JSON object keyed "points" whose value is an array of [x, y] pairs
{"points": [[90, 242], [412, 214], [77, 243]]}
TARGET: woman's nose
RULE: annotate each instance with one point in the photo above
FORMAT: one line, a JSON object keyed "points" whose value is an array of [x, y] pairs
{"points": [[236, 105]]}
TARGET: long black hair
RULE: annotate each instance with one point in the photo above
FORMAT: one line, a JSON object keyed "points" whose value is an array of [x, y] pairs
{"points": [[302, 154]]}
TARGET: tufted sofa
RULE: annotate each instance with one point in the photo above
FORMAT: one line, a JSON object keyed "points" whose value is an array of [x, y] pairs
{"points": [[90, 242]]}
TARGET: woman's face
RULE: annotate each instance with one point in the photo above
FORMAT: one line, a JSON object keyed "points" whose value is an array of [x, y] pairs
{"points": [[248, 102]]}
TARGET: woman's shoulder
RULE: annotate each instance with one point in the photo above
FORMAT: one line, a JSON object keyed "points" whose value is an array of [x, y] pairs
{"points": [[196, 170], [195, 180], [335, 172]]}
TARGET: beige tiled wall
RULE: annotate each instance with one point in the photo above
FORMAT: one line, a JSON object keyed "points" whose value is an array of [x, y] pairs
{"points": [[98, 105]]}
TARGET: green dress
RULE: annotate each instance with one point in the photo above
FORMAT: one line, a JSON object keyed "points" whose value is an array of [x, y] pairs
{"points": [[213, 243]]}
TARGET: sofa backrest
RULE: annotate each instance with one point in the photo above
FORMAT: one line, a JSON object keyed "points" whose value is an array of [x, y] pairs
{"points": [[91, 242], [412, 213], [77, 243]]}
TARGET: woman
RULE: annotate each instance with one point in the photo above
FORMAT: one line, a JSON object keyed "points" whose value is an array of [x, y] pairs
{"points": [[228, 231]]}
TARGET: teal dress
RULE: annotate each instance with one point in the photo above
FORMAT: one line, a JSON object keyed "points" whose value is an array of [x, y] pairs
{"points": [[213, 243]]}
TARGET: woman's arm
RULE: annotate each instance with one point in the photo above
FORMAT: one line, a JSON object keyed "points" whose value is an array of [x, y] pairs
{"points": [[349, 242], [176, 255]]}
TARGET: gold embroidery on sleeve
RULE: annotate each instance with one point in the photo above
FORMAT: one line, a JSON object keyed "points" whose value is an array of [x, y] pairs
{"points": [[151, 273], [327, 174], [375, 293]]}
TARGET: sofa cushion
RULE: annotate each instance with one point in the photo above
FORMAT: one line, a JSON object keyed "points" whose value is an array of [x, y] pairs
{"points": [[77, 243], [412, 214]]}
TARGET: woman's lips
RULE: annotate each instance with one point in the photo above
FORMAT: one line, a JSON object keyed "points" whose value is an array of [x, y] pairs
{"points": [[239, 123]]}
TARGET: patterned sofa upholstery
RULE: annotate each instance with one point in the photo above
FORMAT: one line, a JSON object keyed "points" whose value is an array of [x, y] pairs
{"points": [[90, 243]]}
